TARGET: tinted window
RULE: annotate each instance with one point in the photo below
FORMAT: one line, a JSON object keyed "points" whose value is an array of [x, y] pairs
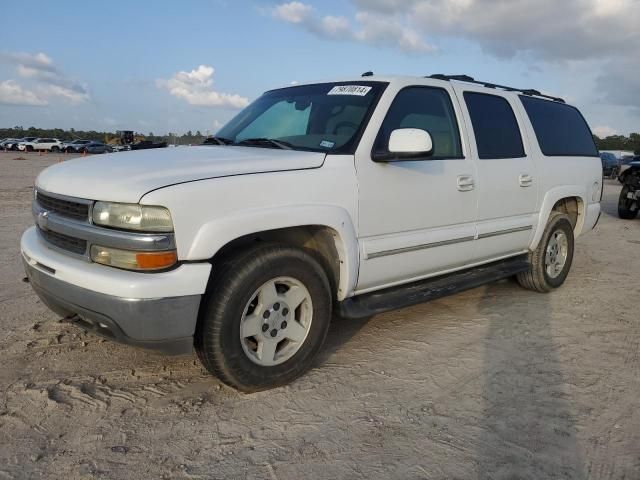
{"points": [[494, 125], [428, 109], [561, 130]]}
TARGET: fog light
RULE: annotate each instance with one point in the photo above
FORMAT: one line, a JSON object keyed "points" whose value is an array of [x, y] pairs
{"points": [[132, 260]]}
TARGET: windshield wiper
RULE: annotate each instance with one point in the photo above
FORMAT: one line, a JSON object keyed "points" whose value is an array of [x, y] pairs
{"points": [[217, 141], [265, 141]]}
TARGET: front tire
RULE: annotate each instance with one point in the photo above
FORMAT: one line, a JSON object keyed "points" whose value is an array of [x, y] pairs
{"points": [[551, 260], [624, 205], [265, 317]]}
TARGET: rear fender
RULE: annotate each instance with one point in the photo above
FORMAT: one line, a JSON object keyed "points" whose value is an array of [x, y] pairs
{"points": [[552, 197]]}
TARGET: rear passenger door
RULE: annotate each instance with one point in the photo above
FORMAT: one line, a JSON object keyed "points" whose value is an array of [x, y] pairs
{"points": [[507, 186]]}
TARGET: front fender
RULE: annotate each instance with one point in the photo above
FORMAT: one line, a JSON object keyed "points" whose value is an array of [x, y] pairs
{"points": [[552, 197], [218, 232]]}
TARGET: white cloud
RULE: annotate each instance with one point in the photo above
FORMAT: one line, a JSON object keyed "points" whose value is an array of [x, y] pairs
{"points": [[603, 34], [49, 80], [196, 87], [293, 12], [368, 27], [604, 131], [12, 93]]}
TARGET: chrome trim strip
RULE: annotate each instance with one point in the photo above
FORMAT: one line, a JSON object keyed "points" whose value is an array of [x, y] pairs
{"points": [[99, 235], [395, 251], [505, 232], [423, 246]]}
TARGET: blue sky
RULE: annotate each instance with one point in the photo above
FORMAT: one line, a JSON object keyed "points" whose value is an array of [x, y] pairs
{"points": [[116, 65]]}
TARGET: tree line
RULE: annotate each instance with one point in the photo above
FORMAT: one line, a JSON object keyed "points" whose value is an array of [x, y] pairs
{"points": [[612, 142], [619, 142], [106, 137]]}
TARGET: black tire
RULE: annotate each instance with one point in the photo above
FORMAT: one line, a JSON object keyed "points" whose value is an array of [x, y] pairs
{"points": [[537, 278], [29, 148], [624, 205], [55, 149], [217, 340]]}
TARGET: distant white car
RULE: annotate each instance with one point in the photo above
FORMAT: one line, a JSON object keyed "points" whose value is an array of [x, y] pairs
{"points": [[49, 144]]}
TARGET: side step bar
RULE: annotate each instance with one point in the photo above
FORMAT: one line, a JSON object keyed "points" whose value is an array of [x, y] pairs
{"points": [[401, 296]]}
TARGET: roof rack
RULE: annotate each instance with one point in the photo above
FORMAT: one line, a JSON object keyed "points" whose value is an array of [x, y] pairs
{"points": [[468, 79]]}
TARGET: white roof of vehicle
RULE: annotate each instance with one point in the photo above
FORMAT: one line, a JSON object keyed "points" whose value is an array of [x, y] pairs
{"points": [[434, 80]]}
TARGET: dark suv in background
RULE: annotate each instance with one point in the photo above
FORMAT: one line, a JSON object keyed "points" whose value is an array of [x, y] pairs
{"points": [[610, 164]]}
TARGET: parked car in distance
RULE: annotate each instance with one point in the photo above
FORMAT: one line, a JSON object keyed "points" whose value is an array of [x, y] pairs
{"points": [[43, 144], [146, 144], [610, 167], [7, 143], [75, 146], [96, 147], [121, 148], [352, 197], [21, 145]]}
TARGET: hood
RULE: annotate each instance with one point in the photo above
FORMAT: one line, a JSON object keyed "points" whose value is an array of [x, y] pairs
{"points": [[127, 176]]}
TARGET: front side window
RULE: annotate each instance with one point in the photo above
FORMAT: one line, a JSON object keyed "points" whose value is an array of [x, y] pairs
{"points": [[494, 126], [326, 117], [425, 108], [561, 130]]}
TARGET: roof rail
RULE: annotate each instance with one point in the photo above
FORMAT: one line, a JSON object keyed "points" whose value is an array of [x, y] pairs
{"points": [[468, 79]]}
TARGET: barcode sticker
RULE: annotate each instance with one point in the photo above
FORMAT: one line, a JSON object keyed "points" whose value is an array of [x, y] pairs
{"points": [[358, 90]]}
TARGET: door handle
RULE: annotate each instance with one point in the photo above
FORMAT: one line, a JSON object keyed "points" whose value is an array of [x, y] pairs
{"points": [[465, 183], [525, 180]]}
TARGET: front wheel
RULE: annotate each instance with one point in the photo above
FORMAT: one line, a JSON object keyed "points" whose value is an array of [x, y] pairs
{"points": [[55, 149], [551, 260], [626, 208], [265, 318]]}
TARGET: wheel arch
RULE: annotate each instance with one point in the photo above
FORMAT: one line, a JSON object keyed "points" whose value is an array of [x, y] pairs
{"points": [[567, 199], [328, 232]]}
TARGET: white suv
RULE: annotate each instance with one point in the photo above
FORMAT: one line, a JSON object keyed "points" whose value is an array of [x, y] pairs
{"points": [[41, 144], [354, 197]]}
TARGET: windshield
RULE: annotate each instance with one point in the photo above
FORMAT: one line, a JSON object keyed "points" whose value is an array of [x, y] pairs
{"points": [[321, 117]]}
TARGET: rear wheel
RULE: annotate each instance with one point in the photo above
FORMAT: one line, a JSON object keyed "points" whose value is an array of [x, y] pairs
{"points": [[265, 318], [626, 205], [551, 260]]}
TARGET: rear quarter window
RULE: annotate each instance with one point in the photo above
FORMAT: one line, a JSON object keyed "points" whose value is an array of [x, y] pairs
{"points": [[561, 129]]}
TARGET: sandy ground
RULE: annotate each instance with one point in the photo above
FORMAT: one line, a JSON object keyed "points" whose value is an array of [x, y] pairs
{"points": [[495, 383]]}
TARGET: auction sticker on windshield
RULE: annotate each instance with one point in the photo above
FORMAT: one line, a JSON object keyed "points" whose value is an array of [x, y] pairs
{"points": [[359, 90]]}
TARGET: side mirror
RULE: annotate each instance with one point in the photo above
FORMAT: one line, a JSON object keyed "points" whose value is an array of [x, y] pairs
{"points": [[407, 144]]}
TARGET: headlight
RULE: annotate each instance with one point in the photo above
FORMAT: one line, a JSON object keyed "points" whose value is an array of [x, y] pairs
{"points": [[114, 257], [131, 216]]}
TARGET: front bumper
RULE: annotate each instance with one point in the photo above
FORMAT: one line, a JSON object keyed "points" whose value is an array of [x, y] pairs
{"points": [[155, 311]]}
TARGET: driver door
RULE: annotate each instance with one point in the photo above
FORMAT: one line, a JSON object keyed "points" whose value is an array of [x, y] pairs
{"points": [[416, 217]]}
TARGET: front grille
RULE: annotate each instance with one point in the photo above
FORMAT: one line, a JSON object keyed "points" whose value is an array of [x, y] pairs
{"points": [[65, 242], [66, 208]]}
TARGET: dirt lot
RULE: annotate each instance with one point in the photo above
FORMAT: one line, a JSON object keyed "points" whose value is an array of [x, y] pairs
{"points": [[496, 383]]}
